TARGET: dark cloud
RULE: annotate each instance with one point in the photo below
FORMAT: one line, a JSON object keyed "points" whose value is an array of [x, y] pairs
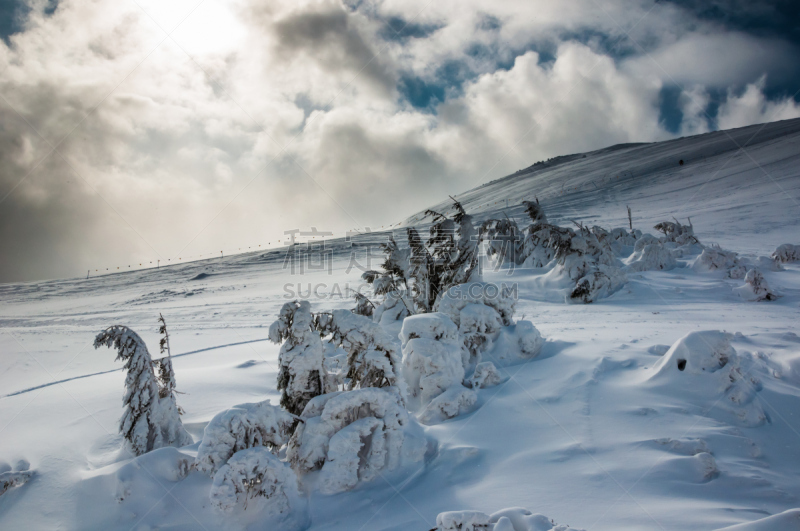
{"points": [[399, 29], [329, 37]]}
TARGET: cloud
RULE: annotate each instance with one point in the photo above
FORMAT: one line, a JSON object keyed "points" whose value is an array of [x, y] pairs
{"points": [[251, 119]]}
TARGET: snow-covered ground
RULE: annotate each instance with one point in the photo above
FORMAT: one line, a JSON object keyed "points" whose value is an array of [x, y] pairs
{"points": [[600, 431]]}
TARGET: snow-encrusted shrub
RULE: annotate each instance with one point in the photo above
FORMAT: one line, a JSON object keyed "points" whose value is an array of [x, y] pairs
{"points": [[580, 257], [597, 281], [484, 375], [364, 306], [479, 326], [787, 253], [149, 421], [433, 357], [454, 401], [755, 287], [255, 477], [12, 479], [530, 340], [351, 436], [677, 233], [241, 427], [512, 519], [620, 240], [705, 363], [395, 306], [651, 256], [301, 375], [500, 298], [716, 259], [372, 357]]}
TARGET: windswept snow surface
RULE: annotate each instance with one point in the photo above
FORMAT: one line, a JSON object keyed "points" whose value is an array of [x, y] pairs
{"points": [[601, 430]]}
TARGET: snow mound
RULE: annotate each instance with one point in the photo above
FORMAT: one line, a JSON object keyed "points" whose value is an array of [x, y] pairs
{"points": [[598, 282], [512, 519], [705, 363], [10, 479], [485, 375], [351, 436], [258, 482], [650, 257], [755, 287], [455, 401], [243, 426], [785, 521], [787, 253], [697, 468], [716, 259]]}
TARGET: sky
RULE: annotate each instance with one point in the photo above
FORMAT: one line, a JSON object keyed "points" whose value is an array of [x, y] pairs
{"points": [[133, 131]]}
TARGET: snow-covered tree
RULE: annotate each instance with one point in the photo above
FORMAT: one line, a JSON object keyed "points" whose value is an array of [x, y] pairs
{"points": [[372, 358], [352, 436], [149, 421], [455, 245], [243, 426], [423, 273], [256, 476], [392, 283], [535, 211], [364, 306], [787, 253], [504, 240], [301, 375]]}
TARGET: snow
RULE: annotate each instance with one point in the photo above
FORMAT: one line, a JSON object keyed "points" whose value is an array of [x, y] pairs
{"points": [[599, 430], [243, 426], [255, 481]]}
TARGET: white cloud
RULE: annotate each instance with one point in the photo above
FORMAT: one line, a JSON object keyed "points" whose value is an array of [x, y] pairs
{"points": [[258, 118]]}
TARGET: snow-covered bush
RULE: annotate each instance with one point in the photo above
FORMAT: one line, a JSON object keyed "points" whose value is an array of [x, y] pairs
{"points": [[787, 253], [241, 427], [716, 259], [350, 436], [12, 479], [501, 298], [512, 519], [484, 375], [755, 287], [433, 357], [677, 233], [149, 421], [255, 479], [479, 326], [454, 401], [395, 306], [372, 357], [652, 256], [530, 340], [301, 375], [598, 282]]}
